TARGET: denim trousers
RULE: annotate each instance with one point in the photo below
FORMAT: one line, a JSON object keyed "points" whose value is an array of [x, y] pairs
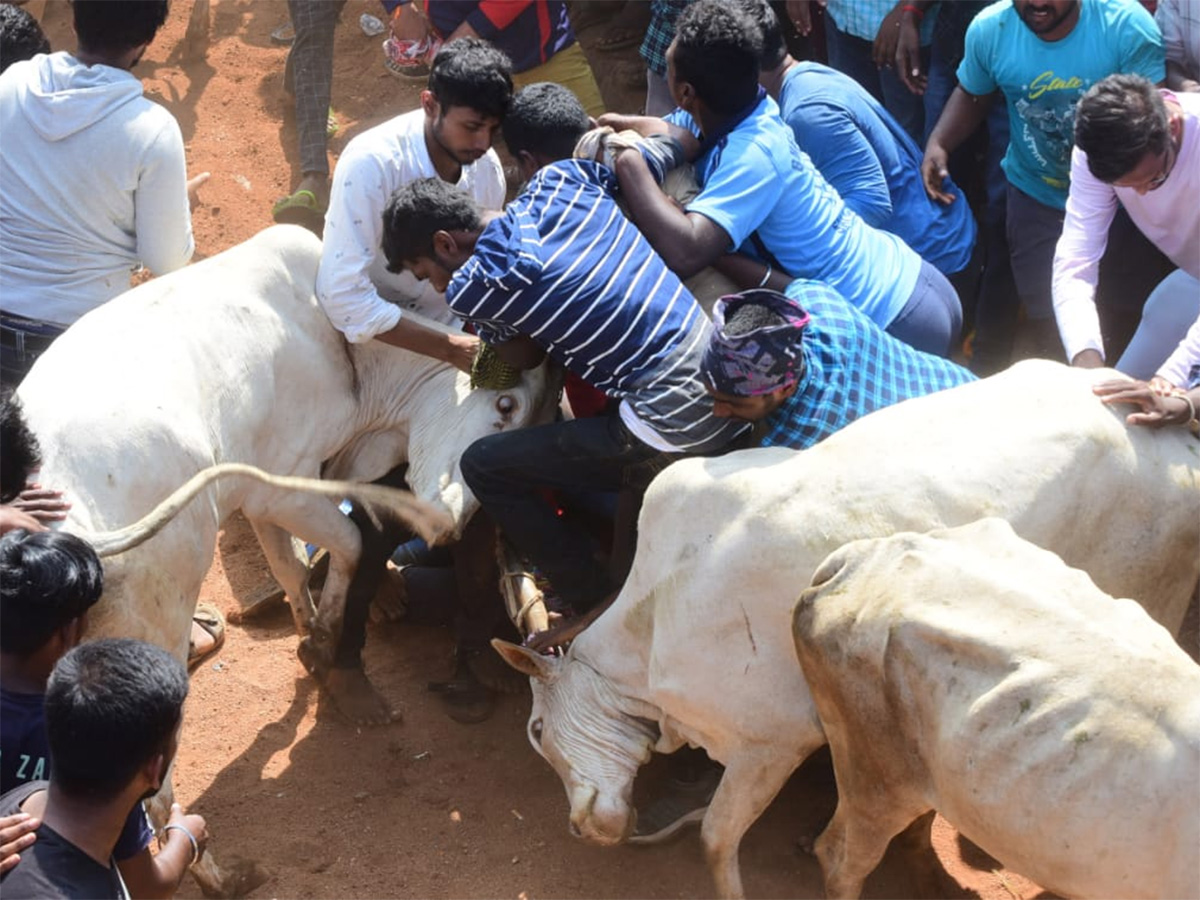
{"points": [[506, 471]]}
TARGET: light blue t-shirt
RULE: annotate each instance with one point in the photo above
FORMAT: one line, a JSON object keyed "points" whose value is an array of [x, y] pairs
{"points": [[873, 164], [756, 181], [1043, 80]]}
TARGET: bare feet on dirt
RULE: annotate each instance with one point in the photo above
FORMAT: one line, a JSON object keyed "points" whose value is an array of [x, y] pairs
{"points": [[356, 698]]}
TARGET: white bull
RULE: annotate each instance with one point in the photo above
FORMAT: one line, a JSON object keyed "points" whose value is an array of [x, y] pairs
{"points": [[233, 360], [971, 672], [697, 648]]}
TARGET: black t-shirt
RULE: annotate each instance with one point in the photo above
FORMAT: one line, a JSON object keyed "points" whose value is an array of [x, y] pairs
{"points": [[54, 867]]}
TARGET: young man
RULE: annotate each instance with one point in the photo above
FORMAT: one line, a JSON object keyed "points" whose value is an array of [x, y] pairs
{"points": [[1138, 148], [761, 195], [806, 363], [448, 138], [93, 180], [563, 272], [1042, 55], [48, 581], [862, 151]]}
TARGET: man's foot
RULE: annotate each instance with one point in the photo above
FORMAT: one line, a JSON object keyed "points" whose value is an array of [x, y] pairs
{"points": [[464, 698], [348, 687], [356, 698], [683, 803]]}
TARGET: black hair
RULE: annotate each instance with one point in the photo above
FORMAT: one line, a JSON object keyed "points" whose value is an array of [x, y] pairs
{"points": [[748, 317], [774, 48], [114, 26], [1117, 122], [47, 578], [19, 453], [21, 37], [545, 118], [419, 209], [111, 705], [717, 48], [471, 72]]}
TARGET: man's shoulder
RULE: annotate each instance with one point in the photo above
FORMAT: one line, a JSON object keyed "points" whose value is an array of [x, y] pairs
{"points": [[398, 133], [54, 867]]}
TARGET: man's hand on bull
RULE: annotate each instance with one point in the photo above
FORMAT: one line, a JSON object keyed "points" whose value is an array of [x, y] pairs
{"points": [[1160, 403], [43, 504], [649, 126], [462, 350]]}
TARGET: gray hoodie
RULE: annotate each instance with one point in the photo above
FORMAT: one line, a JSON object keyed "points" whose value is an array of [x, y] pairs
{"points": [[93, 182]]}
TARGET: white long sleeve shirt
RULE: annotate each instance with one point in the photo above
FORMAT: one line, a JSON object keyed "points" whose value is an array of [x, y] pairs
{"points": [[93, 181], [362, 298], [1182, 367], [1168, 216]]}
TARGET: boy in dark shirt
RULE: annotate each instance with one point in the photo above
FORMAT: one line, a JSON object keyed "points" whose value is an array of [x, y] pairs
{"points": [[48, 581], [113, 709]]}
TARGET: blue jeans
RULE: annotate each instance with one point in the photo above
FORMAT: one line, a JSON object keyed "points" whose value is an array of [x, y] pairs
{"points": [[599, 454], [931, 319], [852, 56]]}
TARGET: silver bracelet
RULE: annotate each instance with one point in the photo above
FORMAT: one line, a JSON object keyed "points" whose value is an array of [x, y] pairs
{"points": [[766, 277], [191, 840]]}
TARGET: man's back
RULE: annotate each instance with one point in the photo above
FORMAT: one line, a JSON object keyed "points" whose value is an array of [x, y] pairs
{"points": [[764, 193], [566, 268], [92, 181], [53, 866], [872, 163]]}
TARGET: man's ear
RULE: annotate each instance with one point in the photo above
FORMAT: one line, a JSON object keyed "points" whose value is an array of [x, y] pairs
{"points": [[687, 97], [444, 246], [429, 104], [527, 165], [155, 771], [787, 391]]}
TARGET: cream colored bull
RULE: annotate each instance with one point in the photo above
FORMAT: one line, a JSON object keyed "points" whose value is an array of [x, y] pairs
{"points": [[233, 360], [971, 672], [697, 648]]}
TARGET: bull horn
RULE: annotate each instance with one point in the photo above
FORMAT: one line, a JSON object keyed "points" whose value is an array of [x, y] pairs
{"points": [[425, 519]]}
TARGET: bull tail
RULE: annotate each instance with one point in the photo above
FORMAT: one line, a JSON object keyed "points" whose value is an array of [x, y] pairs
{"points": [[424, 518]]}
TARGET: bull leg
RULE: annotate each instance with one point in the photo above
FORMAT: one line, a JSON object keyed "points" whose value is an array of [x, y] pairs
{"points": [[868, 816], [289, 564], [750, 783]]}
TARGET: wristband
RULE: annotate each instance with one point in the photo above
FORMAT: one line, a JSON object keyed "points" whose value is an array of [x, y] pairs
{"points": [[191, 839], [766, 277], [915, 10]]}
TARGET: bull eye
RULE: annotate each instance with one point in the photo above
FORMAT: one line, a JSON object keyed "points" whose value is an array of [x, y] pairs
{"points": [[535, 730], [505, 404]]}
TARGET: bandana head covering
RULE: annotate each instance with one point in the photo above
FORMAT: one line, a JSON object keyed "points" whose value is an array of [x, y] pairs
{"points": [[757, 360]]}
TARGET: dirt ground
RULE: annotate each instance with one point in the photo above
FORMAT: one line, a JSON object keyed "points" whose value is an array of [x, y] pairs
{"points": [[425, 807]]}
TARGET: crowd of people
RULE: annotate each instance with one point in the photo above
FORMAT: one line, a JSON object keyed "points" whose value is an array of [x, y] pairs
{"points": [[1046, 214]]}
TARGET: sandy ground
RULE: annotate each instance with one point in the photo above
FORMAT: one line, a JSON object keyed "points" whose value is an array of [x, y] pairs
{"points": [[425, 807]]}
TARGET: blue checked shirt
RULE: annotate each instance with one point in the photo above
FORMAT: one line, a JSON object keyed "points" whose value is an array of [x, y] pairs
{"points": [[851, 368], [663, 15]]}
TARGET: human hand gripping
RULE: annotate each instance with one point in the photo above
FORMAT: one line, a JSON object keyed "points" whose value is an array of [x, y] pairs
{"points": [[43, 504], [192, 825], [16, 834]]}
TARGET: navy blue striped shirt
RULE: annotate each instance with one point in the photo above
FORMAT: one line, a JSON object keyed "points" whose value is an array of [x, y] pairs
{"points": [[564, 267]]}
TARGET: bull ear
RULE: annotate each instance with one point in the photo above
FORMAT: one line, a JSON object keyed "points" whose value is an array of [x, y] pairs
{"points": [[526, 661]]}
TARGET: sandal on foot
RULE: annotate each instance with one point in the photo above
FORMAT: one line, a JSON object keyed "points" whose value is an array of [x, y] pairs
{"points": [[300, 208], [209, 618]]}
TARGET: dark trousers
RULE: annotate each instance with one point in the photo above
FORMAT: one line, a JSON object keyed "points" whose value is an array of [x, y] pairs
{"points": [[598, 454]]}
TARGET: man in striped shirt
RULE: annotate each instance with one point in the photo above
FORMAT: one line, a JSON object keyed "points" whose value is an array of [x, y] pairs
{"points": [[562, 272]]}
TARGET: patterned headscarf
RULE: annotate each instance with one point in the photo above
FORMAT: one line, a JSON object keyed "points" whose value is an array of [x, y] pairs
{"points": [[759, 360]]}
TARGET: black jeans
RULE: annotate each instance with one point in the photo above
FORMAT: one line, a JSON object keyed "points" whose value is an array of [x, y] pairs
{"points": [[600, 454]]}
